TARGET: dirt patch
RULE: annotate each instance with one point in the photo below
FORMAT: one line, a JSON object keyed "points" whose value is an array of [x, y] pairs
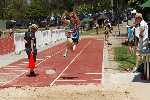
{"points": [[89, 92], [50, 71]]}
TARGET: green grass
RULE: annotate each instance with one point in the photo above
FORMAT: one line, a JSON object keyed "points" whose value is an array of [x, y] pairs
{"points": [[124, 59], [92, 32], [88, 32]]}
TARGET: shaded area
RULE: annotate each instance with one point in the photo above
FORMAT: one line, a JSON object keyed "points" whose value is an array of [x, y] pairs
{"points": [[140, 78]]}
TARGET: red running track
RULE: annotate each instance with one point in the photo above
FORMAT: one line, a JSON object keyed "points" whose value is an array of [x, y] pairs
{"points": [[83, 66], [6, 45]]}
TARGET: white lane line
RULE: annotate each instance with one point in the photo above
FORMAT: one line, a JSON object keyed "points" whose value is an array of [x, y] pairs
{"points": [[19, 67], [70, 63], [13, 68], [27, 70], [39, 59], [25, 62], [94, 73], [71, 80], [8, 73], [97, 79], [104, 61], [20, 70], [49, 56], [21, 64]]}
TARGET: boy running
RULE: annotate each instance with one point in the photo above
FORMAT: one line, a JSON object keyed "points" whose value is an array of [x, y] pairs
{"points": [[75, 29], [67, 24]]}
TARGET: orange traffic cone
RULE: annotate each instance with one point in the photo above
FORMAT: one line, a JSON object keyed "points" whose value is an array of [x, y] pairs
{"points": [[31, 61]]}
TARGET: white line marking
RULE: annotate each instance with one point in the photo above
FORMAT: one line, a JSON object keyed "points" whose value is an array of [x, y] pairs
{"points": [[103, 63], [25, 62], [49, 56], [13, 79], [93, 73], [27, 70], [71, 80], [8, 73], [97, 79], [39, 59], [70, 63], [21, 64], [14, 68], [11, 66]]}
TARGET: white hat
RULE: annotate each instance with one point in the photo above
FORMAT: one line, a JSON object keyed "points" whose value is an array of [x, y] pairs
{"points": [[34, 26], [138, 15]]}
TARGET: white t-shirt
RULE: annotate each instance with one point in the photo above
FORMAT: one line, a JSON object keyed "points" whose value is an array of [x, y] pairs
{"points": [[137, 31], [144, 39]]}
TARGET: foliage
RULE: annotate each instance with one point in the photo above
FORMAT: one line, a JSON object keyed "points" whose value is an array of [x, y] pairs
{"points": [[16, 9], [135, 3], [36, 10], [40, 8], [95, 6], [86, 21], [89, 32], [20, 9]]}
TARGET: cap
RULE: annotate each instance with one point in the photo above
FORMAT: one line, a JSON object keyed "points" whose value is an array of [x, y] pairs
{"points": [[34, 26], [138, 15]]}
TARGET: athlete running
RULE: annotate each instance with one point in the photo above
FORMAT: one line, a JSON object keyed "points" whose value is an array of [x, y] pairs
{"points": [[75, 29], [67, 25]]}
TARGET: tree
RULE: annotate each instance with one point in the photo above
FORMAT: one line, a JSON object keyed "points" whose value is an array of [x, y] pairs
{"points": [[16, 9], [3, 8], [36, 10], [90, 6], [135, 3]]}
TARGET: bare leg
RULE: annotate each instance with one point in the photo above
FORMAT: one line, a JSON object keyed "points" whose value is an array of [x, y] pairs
{"points": [[66, 51], [74, 47], [131, 50]]}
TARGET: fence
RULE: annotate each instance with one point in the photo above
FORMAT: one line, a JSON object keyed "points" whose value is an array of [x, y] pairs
{"points": [[16, 43], [42, 37]]}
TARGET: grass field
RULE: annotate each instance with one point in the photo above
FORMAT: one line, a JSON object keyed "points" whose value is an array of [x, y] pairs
{"points": [[92, 32], [124, 59]]}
